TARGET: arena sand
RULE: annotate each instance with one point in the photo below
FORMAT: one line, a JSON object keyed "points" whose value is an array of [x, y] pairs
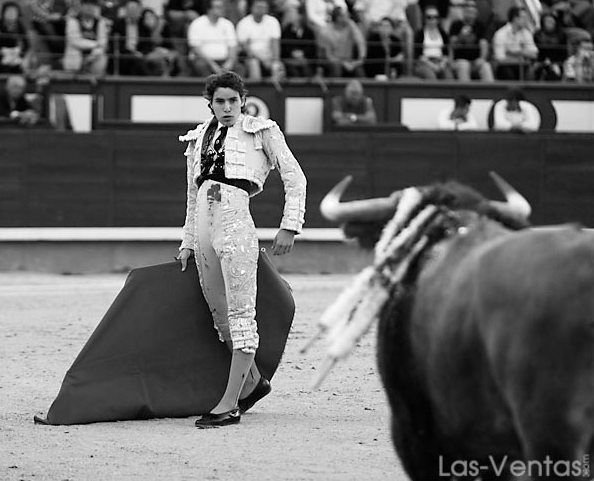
{"points": [[339, 432]]}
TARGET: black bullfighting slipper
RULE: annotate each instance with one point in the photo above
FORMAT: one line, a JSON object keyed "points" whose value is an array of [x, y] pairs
{"points": [[38, 420], [262, 389], [215, 420]]}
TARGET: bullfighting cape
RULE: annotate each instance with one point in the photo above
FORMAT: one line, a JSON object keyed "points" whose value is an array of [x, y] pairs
{"points": [[156, 353]]}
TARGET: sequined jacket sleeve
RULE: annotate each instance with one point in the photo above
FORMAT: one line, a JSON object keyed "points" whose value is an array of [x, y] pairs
{"points": [[188, 229], [281, 157]]}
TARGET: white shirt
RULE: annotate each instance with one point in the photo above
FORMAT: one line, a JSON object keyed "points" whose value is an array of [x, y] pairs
{"points": [[444, 122], [214, 41], [432, 45], [258, 36], [506, 40]]}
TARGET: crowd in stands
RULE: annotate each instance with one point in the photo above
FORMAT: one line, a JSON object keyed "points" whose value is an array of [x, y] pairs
{"points": [[486, 40]]}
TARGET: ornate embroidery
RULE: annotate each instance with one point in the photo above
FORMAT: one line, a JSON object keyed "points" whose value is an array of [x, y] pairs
{"points": [[229, 239], [278, 152]]}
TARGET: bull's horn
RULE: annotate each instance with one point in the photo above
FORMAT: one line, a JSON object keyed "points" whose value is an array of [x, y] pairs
{"points": [[366, 210], [516, 202]]}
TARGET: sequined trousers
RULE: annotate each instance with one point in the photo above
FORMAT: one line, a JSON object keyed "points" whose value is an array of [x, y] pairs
{"points": [[226, 253]]}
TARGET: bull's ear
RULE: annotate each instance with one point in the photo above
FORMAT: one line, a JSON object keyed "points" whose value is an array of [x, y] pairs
{"points": [[366, 233]]}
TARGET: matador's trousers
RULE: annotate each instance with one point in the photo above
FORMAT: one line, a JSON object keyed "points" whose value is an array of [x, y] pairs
{"points": [[226, 252]]}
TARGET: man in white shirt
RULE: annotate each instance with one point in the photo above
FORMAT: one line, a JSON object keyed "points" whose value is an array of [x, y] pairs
{"points": [[459, 117], [259, 37], [514, 49], [212, 42]]}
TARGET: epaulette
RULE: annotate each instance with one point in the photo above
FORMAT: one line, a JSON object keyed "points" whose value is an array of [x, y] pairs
{"points": [[255, 124], [192, 134]]}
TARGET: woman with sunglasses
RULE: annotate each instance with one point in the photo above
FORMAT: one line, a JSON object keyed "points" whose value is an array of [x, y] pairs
{"points": [[431, 45]]}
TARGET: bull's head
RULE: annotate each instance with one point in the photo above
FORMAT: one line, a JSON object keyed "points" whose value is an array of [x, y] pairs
{"points": [[364, 219], [410, 221]]}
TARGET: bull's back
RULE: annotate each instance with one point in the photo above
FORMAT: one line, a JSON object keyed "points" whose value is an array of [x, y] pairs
{"points": [[506, 335]]}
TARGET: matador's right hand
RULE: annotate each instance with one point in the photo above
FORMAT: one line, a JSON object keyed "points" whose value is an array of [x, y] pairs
{"points": [[183, 257]]}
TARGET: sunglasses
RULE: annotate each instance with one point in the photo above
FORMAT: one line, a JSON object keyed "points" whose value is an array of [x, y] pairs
{"points": [[431, 17]]}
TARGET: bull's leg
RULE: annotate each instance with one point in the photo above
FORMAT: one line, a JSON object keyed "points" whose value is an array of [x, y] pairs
{"points": [[556, 450], [412, 424]]}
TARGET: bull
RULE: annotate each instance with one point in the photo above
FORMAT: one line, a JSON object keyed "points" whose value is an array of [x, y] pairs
{"points": [[485, 331]]}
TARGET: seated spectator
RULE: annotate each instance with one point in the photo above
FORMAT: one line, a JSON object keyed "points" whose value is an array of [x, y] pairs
{"points": [[470, 48], [128, 59], [14, 107], [353, 107], [458, 117], [385, 57], [48, 20], [212, 41], [514, 50], [179, 14], [86, 40], [431, 49], [515, 114], [551, 42], [155, 45], [259, 36], [339, 43], [14, 43], [579, 67], [298, 46]]}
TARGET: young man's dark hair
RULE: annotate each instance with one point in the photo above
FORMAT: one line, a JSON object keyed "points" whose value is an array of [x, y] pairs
{"points": [[226, 79]]}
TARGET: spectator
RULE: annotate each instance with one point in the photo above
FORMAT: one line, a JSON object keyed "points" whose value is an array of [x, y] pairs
{"points": [[384, 51], [179, 14], [14, 106], [259, 36], [212, 41], [431, 49], [48, 20], [353, 107], [319, 12], [339, 42], [298, 47], [470, 48], [513, 47], [515, 114], [126, 36], [551, 42], [155, 45], [458, 118], [86, 40], [14, 43], [579, 67]]}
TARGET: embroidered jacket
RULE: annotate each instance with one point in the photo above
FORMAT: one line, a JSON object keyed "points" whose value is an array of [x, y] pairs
{"points": [[253, 147]]}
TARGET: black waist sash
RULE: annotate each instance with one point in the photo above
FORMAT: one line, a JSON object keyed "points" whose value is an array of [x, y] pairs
{"points": [[242, 184]]}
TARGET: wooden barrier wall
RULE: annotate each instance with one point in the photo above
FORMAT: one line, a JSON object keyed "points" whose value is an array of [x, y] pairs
{"points": [[134, 178]]}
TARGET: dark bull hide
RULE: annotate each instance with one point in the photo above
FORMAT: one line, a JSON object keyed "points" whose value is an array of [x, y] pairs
{"points": [[486, 332]]}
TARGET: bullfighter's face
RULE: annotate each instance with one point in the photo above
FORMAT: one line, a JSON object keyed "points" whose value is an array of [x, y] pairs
{"points": [[226, 105]]}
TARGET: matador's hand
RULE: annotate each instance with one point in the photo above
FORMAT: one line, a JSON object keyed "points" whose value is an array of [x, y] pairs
{"points": [[283, 242], [183, 257]]}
